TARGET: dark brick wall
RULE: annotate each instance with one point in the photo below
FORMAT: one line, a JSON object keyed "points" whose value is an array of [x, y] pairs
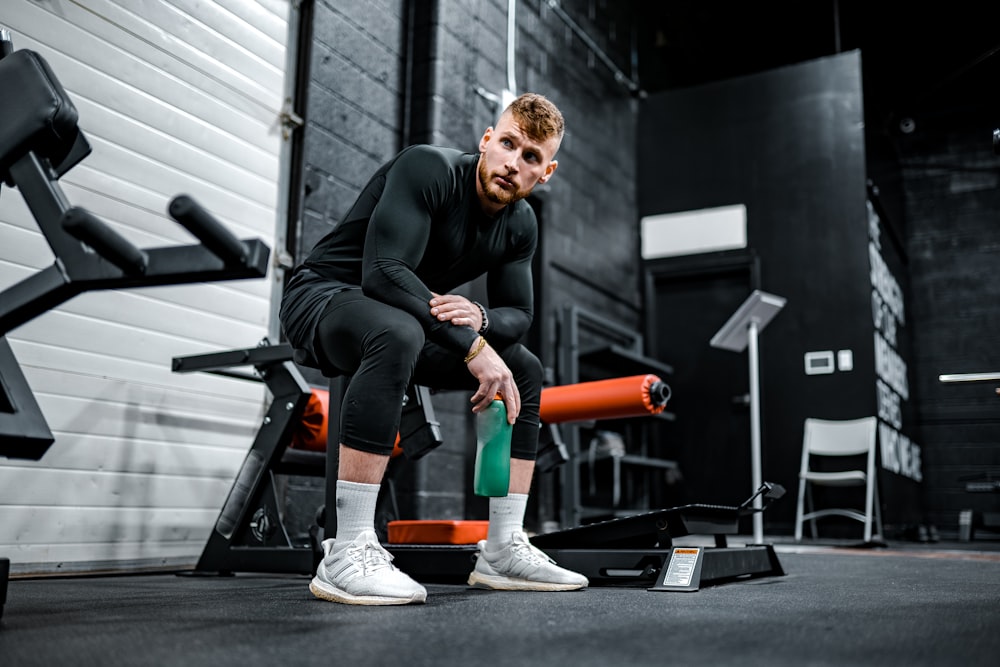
{"points": [[353, 109], [376, 85], [951, 187]]}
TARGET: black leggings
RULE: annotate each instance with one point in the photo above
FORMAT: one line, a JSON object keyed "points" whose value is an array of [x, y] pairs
{"points": [[384, 349]]}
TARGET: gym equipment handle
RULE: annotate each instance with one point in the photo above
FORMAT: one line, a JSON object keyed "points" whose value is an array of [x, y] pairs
{"points": [[659, 393], [207, 229], [108, 243]]}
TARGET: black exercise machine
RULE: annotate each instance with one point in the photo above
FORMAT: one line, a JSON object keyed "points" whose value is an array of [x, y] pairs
{"points": [[633, 550], [640, 548], [40, 141]]}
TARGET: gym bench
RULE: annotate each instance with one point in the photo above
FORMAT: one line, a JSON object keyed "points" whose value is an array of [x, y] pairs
{"points": [[249, 534]]}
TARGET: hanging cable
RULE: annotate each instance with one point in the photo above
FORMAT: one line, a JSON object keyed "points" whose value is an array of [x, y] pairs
{"points": [[511, 50]]}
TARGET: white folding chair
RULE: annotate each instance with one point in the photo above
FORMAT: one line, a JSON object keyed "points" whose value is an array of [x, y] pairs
{"points": [[830, 440]]}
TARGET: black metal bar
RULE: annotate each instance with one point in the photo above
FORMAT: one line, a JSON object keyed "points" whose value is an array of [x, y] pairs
{"points": [[25, 300], [111, 245], [52, 286], [192, 264], [238, 375], [227, 359], [224, 552], [282, 560], [4, 576], [207, 229], [47, 202], [24, 433]]}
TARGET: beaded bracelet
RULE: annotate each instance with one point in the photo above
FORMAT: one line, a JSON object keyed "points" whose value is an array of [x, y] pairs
{"points": [[486, 320], [479, 348]]}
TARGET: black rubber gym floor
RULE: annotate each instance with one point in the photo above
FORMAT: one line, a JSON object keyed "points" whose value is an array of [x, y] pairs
{"points": [[900, 605]]}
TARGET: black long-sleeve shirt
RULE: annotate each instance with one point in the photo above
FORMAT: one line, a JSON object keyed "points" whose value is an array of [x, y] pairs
{"points": [[417, 227]]}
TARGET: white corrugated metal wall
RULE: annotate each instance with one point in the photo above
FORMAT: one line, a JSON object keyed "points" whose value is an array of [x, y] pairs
{"points": [[175, 96]]}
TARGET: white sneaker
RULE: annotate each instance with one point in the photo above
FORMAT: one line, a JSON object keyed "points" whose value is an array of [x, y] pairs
{"points": [[521, 566], [363, 573]]}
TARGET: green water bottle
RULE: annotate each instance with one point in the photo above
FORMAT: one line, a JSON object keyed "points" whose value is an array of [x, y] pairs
{"points": [[492, 450]]}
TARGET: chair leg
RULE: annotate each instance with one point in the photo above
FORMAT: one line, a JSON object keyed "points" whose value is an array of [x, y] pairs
{"points": [[877, 510], [799, 511], [869, 503], [811, 507]]}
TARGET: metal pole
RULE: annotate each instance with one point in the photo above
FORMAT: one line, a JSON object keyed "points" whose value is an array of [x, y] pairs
{"points": [[755, 469]]}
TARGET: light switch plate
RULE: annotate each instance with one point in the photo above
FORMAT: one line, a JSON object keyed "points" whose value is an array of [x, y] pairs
{"points": [[819, 363]]}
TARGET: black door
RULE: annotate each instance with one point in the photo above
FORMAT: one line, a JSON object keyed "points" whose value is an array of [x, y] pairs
{"points": [[688, 300]]}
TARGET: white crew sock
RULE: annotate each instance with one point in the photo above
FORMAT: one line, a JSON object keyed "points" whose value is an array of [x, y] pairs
{"points": [[356, 504], [506, 518]]}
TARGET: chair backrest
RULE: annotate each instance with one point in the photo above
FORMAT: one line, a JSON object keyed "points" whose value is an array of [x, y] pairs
{"points": [[848, 437]]}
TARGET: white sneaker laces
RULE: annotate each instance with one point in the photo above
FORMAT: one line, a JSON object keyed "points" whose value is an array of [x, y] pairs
{"points": [[529, 553], [371, 557]]}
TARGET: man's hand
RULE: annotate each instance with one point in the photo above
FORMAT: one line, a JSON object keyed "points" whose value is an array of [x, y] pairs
{"points": [[486, 366], [494, 378], [458, 310]]}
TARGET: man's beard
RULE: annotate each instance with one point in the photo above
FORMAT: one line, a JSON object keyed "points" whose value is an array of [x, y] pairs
{"points": [[495, 193]]}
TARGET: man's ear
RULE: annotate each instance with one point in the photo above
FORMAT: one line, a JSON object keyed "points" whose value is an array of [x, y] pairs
{"points": [[487, 135], [549, 170]]}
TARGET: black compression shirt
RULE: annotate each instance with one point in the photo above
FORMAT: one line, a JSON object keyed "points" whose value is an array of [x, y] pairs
{"points": [[417, 227]]}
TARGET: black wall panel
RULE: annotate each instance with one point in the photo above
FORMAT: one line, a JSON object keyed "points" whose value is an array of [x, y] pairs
{"points": [[789, 145]]}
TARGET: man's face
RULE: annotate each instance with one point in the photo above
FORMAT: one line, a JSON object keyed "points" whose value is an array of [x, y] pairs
{"points": [[511, 164]]}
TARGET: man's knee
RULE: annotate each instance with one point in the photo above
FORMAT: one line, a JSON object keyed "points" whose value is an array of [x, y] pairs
{"points": [[521, 360], [400, 341]]}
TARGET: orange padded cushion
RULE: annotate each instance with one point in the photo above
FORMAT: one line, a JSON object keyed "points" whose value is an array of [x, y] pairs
{"points": [[437, 532], [310, 433]]}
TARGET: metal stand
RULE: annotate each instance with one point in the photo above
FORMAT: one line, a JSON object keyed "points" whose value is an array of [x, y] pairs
{"points": [[740, 332]]}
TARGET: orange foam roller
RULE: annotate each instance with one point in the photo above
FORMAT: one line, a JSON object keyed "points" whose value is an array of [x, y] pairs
{"points": [[617, 398]]}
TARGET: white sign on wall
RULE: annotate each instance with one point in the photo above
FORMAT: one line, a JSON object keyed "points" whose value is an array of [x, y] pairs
{"points": [[691, 232], [899, 454]]}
